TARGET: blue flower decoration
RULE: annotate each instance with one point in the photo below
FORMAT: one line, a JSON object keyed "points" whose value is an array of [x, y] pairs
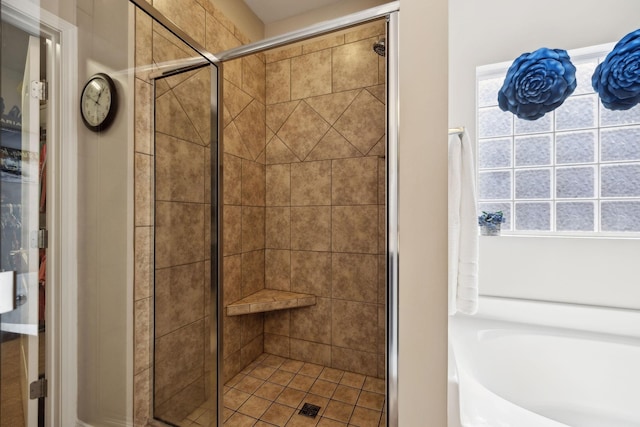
{"points": [[537, 83], [617, 79]]}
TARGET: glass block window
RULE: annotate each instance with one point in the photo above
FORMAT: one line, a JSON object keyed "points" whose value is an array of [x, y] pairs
{"points": [[575, 170]]}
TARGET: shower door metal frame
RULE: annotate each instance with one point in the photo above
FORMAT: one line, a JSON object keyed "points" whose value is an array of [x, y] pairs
{"points": [[390, 11]]}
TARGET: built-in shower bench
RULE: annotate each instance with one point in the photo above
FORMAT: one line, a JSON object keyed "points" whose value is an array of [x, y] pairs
{"points": [[269, 300]]}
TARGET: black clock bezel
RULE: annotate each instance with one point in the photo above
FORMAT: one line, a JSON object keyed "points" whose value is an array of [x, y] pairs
{"points": [[108, 120]]}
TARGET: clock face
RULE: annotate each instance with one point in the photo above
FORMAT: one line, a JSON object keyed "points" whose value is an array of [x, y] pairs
{"points": [[97, 103]]}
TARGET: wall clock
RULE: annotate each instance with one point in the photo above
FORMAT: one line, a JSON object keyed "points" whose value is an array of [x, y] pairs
{"points": [[98, 102]]}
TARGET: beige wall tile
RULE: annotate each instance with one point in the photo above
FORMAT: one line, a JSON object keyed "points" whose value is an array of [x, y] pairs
{"points": [[179, 170], [277, 114], [178, 360], [187, 14], [278, 152], [232, 230], [171, 119], [252, 228], [252, 272], [278, 269], [311, 273], [278, 75], [354, 65], [278, 185], [183, 403], [382, 236], [331, 106], [382, 322], [142, 353], [233, 72], [143, 116], [232, 335], [277, 322], [278, 228], [321, 43], [355, 229], [233, 143], [302, 130], [250, 124], [355, 181], [179, 297], [207, 174], [349, 330], [166, 48], [235, 99], [143, 49], [253, 77], [313, 323], [379, 91], [252, 350], [355, 277], [218, 37], [143, 268], [194, 95], [232, 279], [143, 189], [354, 361], [232, 171], [283, 53], [311, 74], [333, 146], [179, 231], [311, 183], [231, 366], [382, 181], [276, 344], [362, 123], [365, 31], [253, 183], [382, 279], [308, 351], [142, 398], [252, 327], [311, 228]]}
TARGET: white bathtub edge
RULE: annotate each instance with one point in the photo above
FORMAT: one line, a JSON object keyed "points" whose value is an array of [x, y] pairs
{"points": [[614, 321]]}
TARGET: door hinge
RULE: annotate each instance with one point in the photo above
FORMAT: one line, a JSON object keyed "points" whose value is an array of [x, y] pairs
{"points": [[40, 90], [38, 389], [40, 239]]}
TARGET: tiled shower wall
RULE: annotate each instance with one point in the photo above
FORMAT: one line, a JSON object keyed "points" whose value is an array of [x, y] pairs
{"points": [[180, 216], [326, 111], [325, 215]]}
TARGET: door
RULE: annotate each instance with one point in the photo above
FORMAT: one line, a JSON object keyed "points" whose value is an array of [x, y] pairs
{"points": [[23, 208]]}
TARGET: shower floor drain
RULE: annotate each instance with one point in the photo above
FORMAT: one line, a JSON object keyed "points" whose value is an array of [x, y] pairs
{"points": [[309, 410]]}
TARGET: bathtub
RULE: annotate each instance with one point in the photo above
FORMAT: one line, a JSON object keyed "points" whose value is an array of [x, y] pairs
{"points": [[521, 363]]}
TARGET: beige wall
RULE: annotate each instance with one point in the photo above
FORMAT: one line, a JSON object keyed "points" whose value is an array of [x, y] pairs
{"points": [[332, 11], [423, 213], [104, 221], [325, 199], [242, 17]]}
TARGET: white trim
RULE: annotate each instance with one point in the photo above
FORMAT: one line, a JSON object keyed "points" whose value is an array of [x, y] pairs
{"points": [[61, 406]]}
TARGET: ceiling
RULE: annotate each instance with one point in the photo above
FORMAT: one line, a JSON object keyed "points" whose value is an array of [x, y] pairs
{"points": [[274, 10]]}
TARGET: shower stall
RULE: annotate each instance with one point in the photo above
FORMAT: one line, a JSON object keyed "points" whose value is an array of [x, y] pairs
{"points": [[271, 180]]}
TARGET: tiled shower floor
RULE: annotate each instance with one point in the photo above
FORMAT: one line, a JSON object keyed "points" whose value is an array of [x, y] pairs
{"points": [[272, 390]]}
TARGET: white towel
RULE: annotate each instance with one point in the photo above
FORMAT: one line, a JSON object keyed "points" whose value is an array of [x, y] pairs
{"points": [[463, 228]]}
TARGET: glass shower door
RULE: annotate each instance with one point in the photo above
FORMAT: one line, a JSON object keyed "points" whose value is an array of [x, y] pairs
{"points": [[21, 261]]}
